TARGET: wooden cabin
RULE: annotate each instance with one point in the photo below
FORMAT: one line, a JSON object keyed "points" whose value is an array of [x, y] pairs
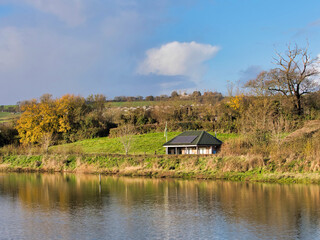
{"points": [[193, 142]]}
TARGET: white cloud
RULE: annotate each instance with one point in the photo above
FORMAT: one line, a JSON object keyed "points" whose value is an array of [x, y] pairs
{"points": [[178, 58], [69, 11]]}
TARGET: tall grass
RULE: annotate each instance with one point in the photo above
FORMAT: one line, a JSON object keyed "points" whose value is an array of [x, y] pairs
{"points": [[248, 168]]}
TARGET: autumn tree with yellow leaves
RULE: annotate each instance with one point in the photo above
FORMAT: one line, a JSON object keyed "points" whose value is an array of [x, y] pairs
{"points": [[68, 118], [235, 102]]}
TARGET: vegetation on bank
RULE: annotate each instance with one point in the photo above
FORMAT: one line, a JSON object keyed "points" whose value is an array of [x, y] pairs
{"points": [[295, 159], [235, 168]]}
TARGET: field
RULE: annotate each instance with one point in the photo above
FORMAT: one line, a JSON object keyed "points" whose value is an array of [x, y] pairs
{"points": [[6, 107], [6, 116], [131, 104], [146, 143], [147, 103]]}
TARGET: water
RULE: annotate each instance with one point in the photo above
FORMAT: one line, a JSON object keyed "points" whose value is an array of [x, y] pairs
{"points": [[65, 206]]}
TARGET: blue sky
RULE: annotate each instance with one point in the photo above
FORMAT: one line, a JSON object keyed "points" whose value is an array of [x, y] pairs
{"points": [[143, 47]]}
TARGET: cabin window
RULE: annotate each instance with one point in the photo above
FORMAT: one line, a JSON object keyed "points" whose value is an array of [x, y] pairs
{"points": [[203, 151], [189, 151], [171, 151]]}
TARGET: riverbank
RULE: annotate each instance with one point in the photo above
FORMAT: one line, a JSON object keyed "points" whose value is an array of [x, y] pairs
{"points": [[235, 168]]}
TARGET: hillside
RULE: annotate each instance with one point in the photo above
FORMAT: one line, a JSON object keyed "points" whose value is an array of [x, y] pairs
{"points": [[309, 130]]}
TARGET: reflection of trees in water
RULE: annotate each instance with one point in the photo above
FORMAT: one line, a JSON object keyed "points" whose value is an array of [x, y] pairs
{"points": [[285, 207], [282, 206], [51, 190]]}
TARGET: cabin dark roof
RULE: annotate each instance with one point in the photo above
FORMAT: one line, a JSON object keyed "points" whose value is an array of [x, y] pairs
{"points": [[193, 138]]}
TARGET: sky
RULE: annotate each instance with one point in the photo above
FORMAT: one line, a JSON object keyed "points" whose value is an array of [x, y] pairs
{"points": [[143, 47]]}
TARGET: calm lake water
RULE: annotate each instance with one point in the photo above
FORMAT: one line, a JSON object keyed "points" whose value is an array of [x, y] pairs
{"points": [[66, 206]]}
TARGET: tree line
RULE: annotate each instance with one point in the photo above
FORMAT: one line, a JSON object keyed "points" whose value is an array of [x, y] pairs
{"points": [[66, 119], [164, 97]]}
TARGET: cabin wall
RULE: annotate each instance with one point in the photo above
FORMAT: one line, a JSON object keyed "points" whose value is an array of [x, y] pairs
{"points": [[192, 150], [189, 150]]}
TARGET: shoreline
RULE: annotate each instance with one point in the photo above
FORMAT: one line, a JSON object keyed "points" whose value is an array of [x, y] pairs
{"points": [[232, 168]]}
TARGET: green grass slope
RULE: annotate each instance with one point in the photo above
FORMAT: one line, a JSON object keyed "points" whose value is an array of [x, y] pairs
{"points": [[7, 116], [145, 143]]}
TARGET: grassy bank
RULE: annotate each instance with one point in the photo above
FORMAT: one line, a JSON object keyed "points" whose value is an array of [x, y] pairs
{"points": [[236, 168], [141, 144]]}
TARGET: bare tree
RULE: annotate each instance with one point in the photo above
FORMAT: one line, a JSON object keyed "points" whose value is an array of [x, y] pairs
{"points": [[258, 86], [46, 141], [46, 98], [126, 136], [233, 88], [174, 94], [294, 76], [230, 88]]}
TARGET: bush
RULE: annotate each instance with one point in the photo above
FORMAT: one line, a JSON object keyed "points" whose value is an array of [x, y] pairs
{"points": [[8, 135], [172, 127]]}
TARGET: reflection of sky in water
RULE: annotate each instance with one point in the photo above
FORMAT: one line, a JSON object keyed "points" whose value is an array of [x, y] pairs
{"points": [[60, 206]]}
